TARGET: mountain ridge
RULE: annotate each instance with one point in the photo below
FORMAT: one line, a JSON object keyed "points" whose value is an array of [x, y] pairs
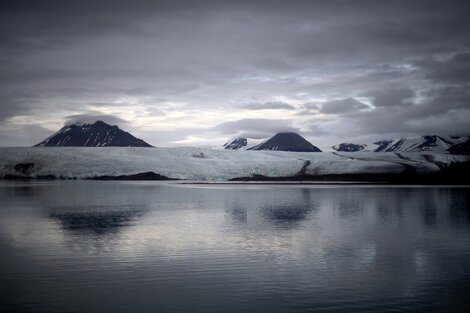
{"points": [[432, 143]]}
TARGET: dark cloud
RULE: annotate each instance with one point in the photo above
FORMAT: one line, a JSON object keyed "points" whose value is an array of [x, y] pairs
{"points": [[271, 105], [315, 130], [392, 95], [393, 27], [452, 70], [91, 118], [404, 122], [255, 128], [28, 135], [342, 106], [443, 110], [442, 99], [16, 102]]}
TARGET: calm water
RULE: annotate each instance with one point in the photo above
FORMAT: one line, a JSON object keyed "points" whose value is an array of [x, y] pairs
{"points": [[152, 247]]}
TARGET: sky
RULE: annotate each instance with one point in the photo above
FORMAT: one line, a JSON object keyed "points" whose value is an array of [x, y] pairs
{"points": [[201, 72]]}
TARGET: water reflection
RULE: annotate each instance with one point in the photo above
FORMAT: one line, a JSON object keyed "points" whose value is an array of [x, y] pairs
{"points": [[239, 215], [290, 209], [24, 191], [286, 213], [128, 247], [97, 222], [281, 207], [346, 202]]}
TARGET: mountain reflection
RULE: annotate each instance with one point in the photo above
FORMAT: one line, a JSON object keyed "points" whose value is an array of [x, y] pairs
{"points": [[239, 215], [295, 210], [287, 213], [143, 247], [100, 222], [347, 203]]}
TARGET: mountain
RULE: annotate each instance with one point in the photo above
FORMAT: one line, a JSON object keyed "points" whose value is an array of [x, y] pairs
{"points": [[349, 147], [241, 143], [286, 142], [98, 134], [431, 143], [461, 148], [235, 144], [382, 145]]}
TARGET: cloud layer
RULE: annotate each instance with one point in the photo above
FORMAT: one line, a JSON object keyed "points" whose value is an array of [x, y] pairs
{"points": [[176, 70]]}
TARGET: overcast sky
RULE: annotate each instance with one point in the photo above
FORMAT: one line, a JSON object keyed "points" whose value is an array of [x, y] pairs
{"points": [[200, 72]]}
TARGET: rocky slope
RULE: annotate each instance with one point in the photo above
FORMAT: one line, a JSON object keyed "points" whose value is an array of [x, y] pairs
{"points": [[432, 143], [98, 134], [349, 147], [287, 142]]}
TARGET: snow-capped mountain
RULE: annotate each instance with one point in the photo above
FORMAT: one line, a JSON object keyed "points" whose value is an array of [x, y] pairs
{"points": [[98, 134], [462, 148], [242, 143], [349, 147], [432, 143], [286, 142], [235, 144]]}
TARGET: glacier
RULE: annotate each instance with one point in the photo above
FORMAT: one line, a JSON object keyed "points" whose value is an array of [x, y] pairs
{"points": [[206, 164]]}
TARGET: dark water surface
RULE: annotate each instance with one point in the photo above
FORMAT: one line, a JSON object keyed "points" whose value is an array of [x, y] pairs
{"points": [[153, 247]]}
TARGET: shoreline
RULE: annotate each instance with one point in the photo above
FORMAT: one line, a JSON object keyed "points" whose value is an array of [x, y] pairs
{"points": [[226, 184], [384, 180]]}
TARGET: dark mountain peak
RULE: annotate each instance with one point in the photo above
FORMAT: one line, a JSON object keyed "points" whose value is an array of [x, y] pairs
{"points": [[287, 141], [349, 147], [288, 135], [102, 124], [97, 124], [98, 134]]}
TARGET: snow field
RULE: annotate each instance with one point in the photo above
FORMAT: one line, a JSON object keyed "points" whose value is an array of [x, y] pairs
{"points": [[195, 163]]}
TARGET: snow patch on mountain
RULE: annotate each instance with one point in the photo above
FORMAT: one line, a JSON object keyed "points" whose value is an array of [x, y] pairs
{"points": [[349, 147], [434, 143], [237, 143]]}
